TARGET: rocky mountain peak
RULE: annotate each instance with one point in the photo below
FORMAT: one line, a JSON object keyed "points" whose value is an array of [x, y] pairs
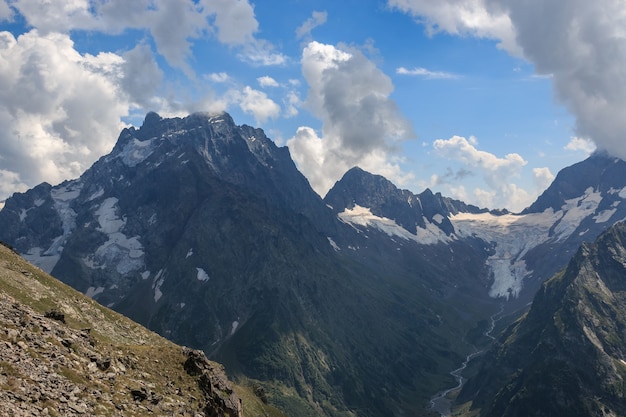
{"points": [[599, 173], [410, 211]]}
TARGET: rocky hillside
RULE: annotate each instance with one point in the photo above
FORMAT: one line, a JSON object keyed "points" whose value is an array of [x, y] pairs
{"points": [[62, 354], [567, 356]]}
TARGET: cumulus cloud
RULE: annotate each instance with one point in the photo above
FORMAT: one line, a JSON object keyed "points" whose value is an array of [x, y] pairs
{"points": [[423, 72], [218, 77], [581, 44], [498, 173], [5, 11], [317, 19], [232, 22], [480, 18], [60, 110], [580, 144], [256, 103], [542, 178], [141, 76], [267, 81], [361, 125], [292, 103]]}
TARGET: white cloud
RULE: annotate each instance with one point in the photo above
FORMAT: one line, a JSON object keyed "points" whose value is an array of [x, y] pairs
{"points": [[292, 103], [141, 77], [256, 103], [361, 125], [497, 173], [262, 53], [316, 19], [10, 183], [60, 110], [267, 81], [581, 44], [480, 18], [542, 178], [5, 11], [496, 170], [218, 77], [234, 20], [580, 144], [423, 72], [173, 24]]}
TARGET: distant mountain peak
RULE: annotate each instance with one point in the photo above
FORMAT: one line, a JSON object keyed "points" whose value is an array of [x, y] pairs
{"points": [[600, 172]]}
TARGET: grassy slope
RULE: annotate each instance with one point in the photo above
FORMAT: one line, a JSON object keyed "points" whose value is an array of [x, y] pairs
{"points": [[157, 359]]}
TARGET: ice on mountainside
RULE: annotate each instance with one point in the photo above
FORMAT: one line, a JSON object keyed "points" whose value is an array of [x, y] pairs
{"points": [[513, 235], [62, 196], [575, 210], [333, 244], [202, 275], [119, 250], [362, 216], [156, 285], [234, 327], [136, 151], [93, 291]]}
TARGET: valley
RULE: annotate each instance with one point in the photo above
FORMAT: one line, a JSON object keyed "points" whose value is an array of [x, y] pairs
{"points": [[371, 301]]}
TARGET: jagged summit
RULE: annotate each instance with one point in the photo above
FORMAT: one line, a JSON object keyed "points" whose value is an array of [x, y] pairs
{"points": [[374, 192], [600, 172]]}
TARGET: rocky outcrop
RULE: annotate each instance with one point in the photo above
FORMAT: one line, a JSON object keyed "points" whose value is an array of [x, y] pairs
{"points": [[221, 399], [63, 355]]}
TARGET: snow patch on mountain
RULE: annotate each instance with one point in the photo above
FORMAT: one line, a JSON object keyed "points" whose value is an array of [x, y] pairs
{"points": [[93, 291], [156, 285], [119, 250], [45, 262], [202, 275], [136, 151], [604, 216], [363, 216], [575, 210], [333, 244], [97, 194], [62, 197]]}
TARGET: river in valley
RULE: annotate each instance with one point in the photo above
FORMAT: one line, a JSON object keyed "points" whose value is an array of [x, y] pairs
{"points": [[440, 403]]}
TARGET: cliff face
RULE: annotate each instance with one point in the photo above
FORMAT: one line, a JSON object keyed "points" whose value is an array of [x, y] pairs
{"points": [[62, 354]]}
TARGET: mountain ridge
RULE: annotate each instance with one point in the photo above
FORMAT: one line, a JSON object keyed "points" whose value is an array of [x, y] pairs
{"points": [[207, 233], [536, 368]]}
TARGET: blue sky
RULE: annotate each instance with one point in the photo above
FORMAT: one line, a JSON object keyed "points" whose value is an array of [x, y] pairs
{"points": [[481, 100]]}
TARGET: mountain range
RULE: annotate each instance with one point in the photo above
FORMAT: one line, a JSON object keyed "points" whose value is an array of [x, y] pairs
{"points": [[358, 304]]}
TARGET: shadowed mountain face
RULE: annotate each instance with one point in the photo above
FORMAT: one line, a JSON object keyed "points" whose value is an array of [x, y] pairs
{"points": [[358, 304], [567, 356], [205, 232]]}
